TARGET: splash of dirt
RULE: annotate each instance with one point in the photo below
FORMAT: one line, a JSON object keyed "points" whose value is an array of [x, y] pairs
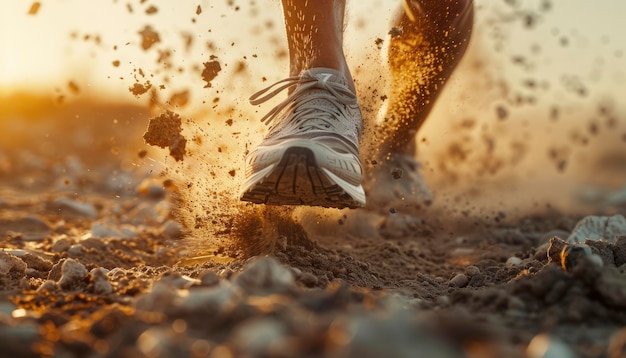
{"points": [[164, 131]]}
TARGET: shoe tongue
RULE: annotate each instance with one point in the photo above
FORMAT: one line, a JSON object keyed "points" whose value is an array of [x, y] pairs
{"points": [[327, 74]]}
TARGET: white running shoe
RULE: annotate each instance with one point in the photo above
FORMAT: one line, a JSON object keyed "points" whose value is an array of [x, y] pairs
{"points": [[311, 154]]}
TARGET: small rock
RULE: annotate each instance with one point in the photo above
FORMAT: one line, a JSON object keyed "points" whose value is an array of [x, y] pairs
{"points": [[75, 250], [598, 228], [265, 274], [72, 272], [260, 337], [215, 300], [101, 231], [578, 254], [472, 271], [158, 299], [308, 279], [555, 249], [209, 278], [513, 261], [11, 263], [460, 280], [101, 284], [61, 245], [546, 346], [76, 207]]}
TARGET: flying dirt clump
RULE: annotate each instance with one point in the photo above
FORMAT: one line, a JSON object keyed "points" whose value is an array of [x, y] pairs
{"points": [[211, 69], [164, 131], [148, 37]]}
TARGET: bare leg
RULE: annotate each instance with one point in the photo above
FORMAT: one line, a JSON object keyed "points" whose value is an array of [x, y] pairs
{"points": [[427, 43], [315, 35]]}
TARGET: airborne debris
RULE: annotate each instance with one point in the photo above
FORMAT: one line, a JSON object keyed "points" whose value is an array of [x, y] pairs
{"points": [[211, 69], [152, 10], [73, 87], [34, 8], [164, 131], [138, 89], [148, 37]]}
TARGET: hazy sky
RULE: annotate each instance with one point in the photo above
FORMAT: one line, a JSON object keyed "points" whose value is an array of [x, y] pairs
{"points": [[37, 50]]}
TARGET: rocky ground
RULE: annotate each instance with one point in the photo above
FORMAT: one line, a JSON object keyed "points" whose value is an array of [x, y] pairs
{"points": [[95, 264]]}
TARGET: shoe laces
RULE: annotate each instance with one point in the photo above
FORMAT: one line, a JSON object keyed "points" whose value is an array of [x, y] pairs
{"points": [[304, 104]]}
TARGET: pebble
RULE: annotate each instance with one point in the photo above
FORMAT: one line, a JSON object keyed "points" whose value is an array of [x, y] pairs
{"points": [[61, 245], [513, 261], [209, 278], [546, 346], [75, 250], [76, 207], [11, 263], [101, 231], [101, 284], [216, 300], [72, 272], [260, 337], [460, 280], [158, 299], [308, 279], [607, 228], [472, 271], [574, 255], [265, 274]]}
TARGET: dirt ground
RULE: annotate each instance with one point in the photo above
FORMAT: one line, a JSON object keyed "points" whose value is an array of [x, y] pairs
{"points": [[94, 263], [111, 248]]}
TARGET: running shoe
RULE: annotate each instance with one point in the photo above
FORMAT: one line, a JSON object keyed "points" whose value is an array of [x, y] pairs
{"points": [[310, 155]]}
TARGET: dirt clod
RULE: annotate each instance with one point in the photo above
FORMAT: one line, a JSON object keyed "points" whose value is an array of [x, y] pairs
{"points": [[164, 131], [210, 71]]}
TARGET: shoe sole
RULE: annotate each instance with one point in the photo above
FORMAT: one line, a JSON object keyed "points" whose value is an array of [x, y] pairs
{"points": [[298, 180]]}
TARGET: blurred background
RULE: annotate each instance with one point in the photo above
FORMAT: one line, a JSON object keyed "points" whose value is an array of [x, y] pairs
{"points": [[534, 118]]}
